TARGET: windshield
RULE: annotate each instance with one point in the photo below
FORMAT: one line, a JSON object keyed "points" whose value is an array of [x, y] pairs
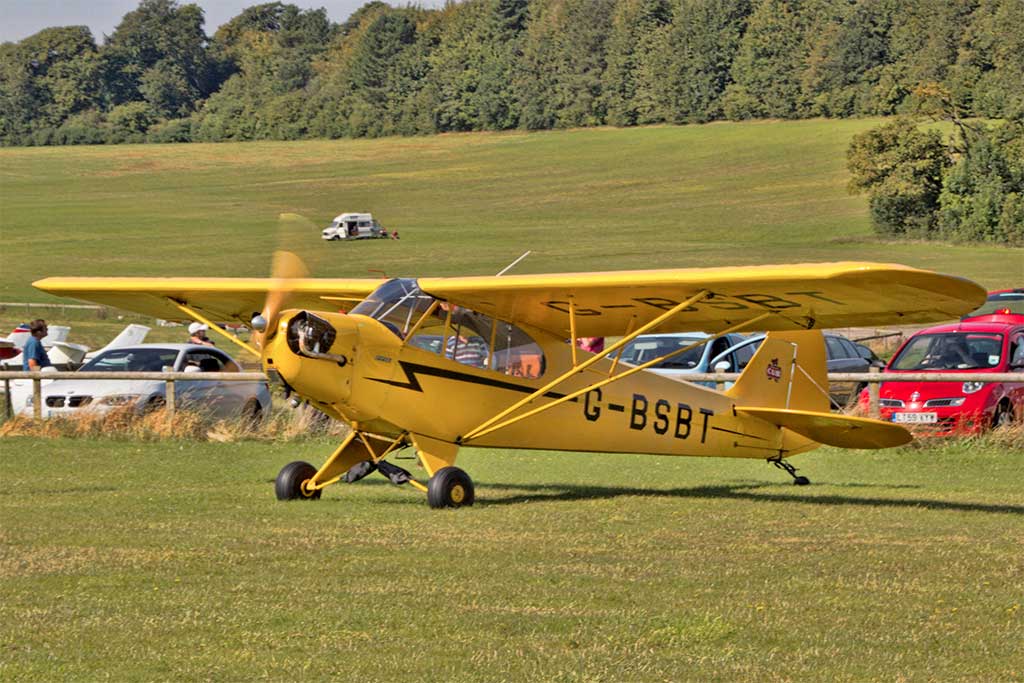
{"points": [[397, 303], [131, 360], [644, 349], [457, 333], [1001, 301], [951, 351]]}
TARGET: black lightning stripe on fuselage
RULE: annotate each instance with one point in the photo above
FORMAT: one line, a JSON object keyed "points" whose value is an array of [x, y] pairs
{"points": [[412, 370]]}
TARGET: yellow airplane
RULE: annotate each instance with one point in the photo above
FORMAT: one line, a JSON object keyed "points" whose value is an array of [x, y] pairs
{"points": [[439, 363]]}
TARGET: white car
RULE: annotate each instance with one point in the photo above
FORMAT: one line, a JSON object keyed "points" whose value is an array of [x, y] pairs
{"points": [[353, 226], [701, 358], [211, 398]]}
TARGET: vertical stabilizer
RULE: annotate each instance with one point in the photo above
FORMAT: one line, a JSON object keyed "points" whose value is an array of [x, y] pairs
{"points": [[788, 371]]}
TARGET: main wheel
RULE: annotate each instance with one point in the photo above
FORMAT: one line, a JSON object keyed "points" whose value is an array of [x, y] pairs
{"points": [[288, 485], [450, 487]]}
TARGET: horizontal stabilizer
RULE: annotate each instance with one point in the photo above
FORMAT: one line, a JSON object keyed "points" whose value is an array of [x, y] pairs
{"points": [[834, 430]]}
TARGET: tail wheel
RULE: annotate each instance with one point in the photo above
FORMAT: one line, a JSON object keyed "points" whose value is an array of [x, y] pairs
{"points": [[1003, 416], [450, 487], [290, 480]]}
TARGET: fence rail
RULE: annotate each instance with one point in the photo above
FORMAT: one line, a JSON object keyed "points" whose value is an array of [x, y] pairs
{"points": [[872, 379], [169, 378]]}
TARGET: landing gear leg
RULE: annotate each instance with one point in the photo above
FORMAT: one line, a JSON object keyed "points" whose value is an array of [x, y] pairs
{"points": [[449, 487], [799, 480]]}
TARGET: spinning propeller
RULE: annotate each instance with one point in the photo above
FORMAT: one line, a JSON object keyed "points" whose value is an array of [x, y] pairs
{"points": [[286, 267]]}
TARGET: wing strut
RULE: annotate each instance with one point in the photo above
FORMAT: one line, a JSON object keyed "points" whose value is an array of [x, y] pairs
{"points": [[213, 327], [477, 431], [489, 426]]}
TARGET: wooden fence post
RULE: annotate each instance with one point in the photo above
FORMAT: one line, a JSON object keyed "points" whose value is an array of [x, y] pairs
{"points": [[873, 388], [169, 398], [37, 398]]}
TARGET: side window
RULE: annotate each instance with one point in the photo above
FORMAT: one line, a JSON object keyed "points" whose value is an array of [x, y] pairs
{"points": [[849, 349], [469, 338], [205, 362], [1017, 351], [515, 352], [719, 345], [743, 355], [834, 348]]}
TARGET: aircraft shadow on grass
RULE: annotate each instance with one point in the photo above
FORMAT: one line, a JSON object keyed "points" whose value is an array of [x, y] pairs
{"points": [[756, 492]]}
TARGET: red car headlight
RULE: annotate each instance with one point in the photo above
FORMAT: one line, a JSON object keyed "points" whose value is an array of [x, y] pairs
{"points": [[972, 387]]}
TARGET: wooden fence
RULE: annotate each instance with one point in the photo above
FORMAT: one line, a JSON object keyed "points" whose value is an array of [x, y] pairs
{"points": [[872, 379]]}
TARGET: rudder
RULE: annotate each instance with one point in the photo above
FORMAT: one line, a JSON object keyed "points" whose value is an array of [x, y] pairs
{"points": [[788, 371]]}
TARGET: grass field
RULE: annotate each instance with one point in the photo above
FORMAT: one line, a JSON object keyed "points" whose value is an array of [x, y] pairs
{"points": [[593, 199], [172, 561]]}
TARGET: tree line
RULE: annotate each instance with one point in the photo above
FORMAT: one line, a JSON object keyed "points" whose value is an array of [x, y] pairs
{"points": [[276, 71]]}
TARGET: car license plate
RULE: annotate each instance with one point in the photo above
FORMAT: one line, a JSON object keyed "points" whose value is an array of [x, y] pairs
{"points": [[916, 418]]}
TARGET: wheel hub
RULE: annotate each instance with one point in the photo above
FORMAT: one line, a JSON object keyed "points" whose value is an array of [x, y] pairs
{"points": [[458, 494]]}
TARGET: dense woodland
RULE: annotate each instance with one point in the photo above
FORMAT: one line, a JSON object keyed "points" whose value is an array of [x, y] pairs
{"points": [[279, 72]]}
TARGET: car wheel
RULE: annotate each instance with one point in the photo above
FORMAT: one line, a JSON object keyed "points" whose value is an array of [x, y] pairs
{"points": [[1003, 416], [252, 415], [154, 404]]}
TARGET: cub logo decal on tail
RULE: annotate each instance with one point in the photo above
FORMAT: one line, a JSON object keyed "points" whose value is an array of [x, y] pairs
{"points": [[773, 371]]}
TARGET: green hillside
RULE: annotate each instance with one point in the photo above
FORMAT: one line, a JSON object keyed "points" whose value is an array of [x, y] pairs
{"points": [[588, 199]]}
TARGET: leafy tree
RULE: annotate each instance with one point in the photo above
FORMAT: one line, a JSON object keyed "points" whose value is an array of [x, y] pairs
{"points": [[988, 77], [637, 40], [563, 61], [704, 40], [130, 121], [924, 40], [160, 46], [365, 87], [981, 195], [900, 167], [46, 78], [846, 60], [771, 59]]}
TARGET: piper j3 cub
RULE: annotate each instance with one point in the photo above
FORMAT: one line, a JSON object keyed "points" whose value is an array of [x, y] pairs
{"points": [[441, 363]]}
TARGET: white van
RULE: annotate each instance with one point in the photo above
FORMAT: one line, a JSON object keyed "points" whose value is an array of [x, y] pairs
{"points": [[354, 226]]}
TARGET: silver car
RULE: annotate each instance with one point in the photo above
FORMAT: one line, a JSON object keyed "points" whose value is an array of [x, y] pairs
{"points": [[212, 398]]}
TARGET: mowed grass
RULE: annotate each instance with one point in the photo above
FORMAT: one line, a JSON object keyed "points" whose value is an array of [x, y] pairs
{"points": [[172, 561], [591, 199]]}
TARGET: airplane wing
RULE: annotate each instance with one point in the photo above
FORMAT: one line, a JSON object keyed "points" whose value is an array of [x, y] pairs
{"points": [[822, 295], [219, 299], [826, 295]]}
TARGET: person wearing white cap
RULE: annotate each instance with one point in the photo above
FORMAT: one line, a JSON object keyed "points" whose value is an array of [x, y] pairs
{"points": [[197, 335]]}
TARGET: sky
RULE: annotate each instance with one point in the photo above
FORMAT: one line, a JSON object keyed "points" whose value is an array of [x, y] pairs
{"points": [[21, 18]]}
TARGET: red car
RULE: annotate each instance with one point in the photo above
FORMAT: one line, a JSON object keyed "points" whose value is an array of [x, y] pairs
{"points": [[989, 340]]}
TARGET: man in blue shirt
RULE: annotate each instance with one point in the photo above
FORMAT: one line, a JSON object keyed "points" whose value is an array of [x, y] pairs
{"points": [[33, 356]]}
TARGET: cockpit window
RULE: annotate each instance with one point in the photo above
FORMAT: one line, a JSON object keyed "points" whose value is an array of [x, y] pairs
{"points": [[398, 304], [463, 335]]}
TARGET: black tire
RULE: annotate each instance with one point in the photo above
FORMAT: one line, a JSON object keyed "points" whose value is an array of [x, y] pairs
{"points": [[154, 404], [450, 487], [1003, 416], [252, 415], [801, 481], [288, 485]]}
